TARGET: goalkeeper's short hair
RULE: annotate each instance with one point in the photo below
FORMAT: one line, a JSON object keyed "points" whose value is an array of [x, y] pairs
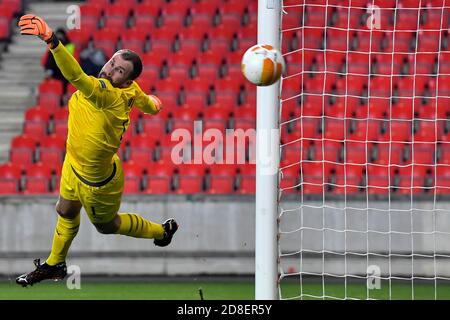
{"points": [[134, 58]]}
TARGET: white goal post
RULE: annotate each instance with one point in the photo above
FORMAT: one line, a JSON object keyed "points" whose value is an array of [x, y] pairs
{"points": [[267, 158], [359, 207]]}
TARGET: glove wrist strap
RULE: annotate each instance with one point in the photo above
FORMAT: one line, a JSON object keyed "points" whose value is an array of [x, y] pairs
{"points": [[53, 42]]}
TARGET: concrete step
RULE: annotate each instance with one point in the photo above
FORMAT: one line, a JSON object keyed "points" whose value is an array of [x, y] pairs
{"points": [[37, 50], [26, 67], [10, 115], [13, 75], [20, 82]]}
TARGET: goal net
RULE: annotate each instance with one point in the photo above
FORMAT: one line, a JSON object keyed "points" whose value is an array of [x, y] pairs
{"points": [[364, 178]]}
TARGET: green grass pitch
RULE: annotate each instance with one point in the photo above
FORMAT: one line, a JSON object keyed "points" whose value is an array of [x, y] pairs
{"points": [[231, 290]]}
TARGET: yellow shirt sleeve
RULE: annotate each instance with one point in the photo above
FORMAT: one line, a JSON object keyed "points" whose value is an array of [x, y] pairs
{"points": [[143, 102], [98, 91]]}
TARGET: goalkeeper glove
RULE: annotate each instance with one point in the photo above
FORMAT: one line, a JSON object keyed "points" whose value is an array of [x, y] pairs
{"points": [[36, 26], [156, 102]]}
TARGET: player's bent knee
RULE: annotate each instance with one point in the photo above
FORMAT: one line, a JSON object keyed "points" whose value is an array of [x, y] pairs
{"points": [[104, 230], [107, 228], [68, 212]]}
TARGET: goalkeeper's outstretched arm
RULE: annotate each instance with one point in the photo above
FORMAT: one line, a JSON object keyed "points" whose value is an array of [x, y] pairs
{"points": [[36, 26], [72, 71]]}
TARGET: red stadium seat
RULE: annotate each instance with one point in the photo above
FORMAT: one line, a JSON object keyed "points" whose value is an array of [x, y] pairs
{"points": [[337, 39], [368, 40], [380, 86], [60, 121], [106, 39], [220, 39], [38, 177], [444, 62], [22, 150], [294, 152], [10, 175], [231, 13], [398, 41], [443, 179], [348, 178], [406, 19], [428, 131], [134, 39], [183, 118], [388, 64], [423, 63], [162, 41], [387, 153], [142, 147], [428, 41], [246, 179], [118, 9], [175, 147], [314, 177], [191, 39], [412, 179], [335, 129], [356, 152], [51, 149], [36, 121], [409, 86], [376, 108], [5, 29], [133, 172], [312, 38], [80, 37], [91, 10], [159, 178], [379, 179], [403, 109], [399, 131], [202, 14], [342, 107], [423, 153], [316, 16], [433, 18], [10, 7], [325, 150], [221, 179], [50, 92], [154, 125], [215, 118], [358, 63], [189, 178], [349, 17], [148, 9]]}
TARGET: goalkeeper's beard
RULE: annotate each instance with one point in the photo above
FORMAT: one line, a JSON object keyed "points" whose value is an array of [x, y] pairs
{"points": [[104, 76]]}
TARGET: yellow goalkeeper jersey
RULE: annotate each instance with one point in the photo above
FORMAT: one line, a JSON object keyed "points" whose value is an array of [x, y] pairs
{"points": [[98, 118]]}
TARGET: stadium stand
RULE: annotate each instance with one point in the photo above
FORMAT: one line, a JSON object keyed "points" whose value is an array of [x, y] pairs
{"points": [[191, 52]]}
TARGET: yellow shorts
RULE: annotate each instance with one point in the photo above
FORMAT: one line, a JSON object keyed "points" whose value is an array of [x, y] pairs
{"points": [[100, 202]]}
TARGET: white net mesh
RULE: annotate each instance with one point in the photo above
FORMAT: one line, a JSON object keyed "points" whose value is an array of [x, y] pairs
{"points": [[364, 210]]}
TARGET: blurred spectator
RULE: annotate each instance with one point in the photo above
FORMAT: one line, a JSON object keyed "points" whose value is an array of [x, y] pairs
{"points": [[92, 60], [51, 69]]}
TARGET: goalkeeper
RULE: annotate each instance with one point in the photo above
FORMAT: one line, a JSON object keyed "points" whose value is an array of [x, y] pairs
{"points": [[92, 175]]}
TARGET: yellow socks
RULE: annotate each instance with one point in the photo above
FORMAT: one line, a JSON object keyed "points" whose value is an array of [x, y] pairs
{"points": [[65, 232], [135, 226]]}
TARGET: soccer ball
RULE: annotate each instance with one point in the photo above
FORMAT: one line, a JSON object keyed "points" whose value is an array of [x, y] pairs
{"points": [[262, 65]]}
